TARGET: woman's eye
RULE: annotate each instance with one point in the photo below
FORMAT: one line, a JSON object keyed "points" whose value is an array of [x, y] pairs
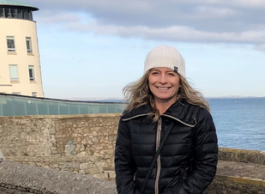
{"points": [[154, 73], [171, 74]]}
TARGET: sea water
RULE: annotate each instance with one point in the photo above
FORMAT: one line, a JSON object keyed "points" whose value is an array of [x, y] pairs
{"points": [[240, 122]]}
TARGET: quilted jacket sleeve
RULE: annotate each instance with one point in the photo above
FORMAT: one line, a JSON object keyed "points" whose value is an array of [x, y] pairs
{"points": [[124, 164], [206, 157]]}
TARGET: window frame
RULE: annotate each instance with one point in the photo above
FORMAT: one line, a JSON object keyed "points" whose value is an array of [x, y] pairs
{"points": [[29, 50], [10, 75], [31, 67], [2, 13], [11, 50]]}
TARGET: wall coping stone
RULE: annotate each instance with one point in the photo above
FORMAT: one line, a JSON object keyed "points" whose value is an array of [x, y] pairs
{"points": [[240, 155], [61, 116], [54, 158]]}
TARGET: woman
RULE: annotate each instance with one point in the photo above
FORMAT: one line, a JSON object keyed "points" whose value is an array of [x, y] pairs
{"points": [[163, 107]]}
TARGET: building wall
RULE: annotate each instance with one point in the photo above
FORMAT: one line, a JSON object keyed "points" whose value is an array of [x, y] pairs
{"points": [[20, 29]]}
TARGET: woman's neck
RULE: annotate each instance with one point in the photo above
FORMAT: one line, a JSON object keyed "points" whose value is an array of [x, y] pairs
{"points": [[163, 105]]}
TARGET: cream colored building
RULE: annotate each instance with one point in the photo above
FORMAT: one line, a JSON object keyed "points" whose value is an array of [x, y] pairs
{"points": [[20, 70]]}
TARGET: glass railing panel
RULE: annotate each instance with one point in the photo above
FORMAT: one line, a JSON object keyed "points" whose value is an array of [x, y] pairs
{"points": [[112, 108], [32, 107], [19, 106], [74, 109], [120, 107], [53, 108], [103, 108], [93, 108], [8, 106], [84, 109], [1, 108], [63, 108], [43, 108]]}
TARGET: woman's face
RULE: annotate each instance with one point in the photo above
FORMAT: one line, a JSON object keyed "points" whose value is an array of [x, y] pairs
{"points": [[164, 84]]}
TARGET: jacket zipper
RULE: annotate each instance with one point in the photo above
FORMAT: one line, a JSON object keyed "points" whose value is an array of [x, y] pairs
{"points": [[189, 125], [158, 138]]}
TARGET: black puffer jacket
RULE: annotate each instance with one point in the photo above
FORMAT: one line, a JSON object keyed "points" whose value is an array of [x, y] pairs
{"points": [[187, 161]]}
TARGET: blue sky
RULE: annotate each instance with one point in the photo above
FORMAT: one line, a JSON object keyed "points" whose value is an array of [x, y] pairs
{"points": [[92, 49]]}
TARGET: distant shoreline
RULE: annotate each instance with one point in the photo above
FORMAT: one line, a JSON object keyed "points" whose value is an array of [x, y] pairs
{"points": [[207, 98]]}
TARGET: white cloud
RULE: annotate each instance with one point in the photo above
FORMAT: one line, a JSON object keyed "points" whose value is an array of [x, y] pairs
{"points": [[236, 21], [64, 17], [174, 33], [214, 12], [260, 4]]}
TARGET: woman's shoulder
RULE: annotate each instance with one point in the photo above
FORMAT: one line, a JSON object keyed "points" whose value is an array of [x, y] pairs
{"points": [[201, 112]]}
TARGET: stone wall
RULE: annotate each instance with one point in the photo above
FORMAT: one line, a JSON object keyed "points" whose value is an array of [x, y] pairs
{"points": [[79, 165], [79, 143]]}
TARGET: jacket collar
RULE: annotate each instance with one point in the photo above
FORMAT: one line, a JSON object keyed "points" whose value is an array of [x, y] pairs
{"points": [[181, 111]]}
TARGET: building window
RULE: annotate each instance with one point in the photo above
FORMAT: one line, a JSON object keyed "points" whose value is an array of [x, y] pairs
{"points": [[13, 72], [28, 43], [10, 44], [2, 12], [20, 14], [34, 94], [31, 73], [8, 12]]}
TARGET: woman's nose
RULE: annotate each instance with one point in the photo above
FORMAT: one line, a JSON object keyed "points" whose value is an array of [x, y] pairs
{"points": [[163, 79]]}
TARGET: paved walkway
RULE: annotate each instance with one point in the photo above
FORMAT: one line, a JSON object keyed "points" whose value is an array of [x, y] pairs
{"points": [[240, 169]]}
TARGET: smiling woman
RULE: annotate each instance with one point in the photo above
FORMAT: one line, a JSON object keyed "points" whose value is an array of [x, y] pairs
{"points": [[166, 141], [164, 85]]}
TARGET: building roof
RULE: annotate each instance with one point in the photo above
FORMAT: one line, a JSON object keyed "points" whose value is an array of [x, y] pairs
{"points": [[15, 3]]}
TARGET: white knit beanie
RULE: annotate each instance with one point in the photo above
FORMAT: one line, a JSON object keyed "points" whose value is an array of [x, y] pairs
{"points": [[165, 56]]}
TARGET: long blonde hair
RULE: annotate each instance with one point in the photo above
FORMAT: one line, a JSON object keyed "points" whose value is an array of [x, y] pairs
{"points": [[138, 94]]}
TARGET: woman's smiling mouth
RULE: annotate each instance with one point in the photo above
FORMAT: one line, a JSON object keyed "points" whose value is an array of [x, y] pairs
{"points": [[163, 88]]}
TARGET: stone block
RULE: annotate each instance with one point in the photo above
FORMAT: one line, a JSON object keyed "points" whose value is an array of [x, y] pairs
{"points": [[76, 165], [82, 154], [94, 170], [87, 171], [97, 176], [84, 166], [52, 131], [109, 174], [82, 172]]}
